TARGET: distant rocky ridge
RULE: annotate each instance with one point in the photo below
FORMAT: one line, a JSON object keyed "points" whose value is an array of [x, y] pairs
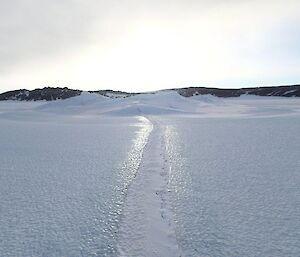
{"points": [[113, 93], [285, 91], [55, 93], [46, 93]]}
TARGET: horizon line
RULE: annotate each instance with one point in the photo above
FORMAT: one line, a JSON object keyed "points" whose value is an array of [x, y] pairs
{"points": [[173, 88]]}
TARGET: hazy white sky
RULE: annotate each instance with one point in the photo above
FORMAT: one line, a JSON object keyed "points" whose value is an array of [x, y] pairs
{"points": [[142, 45]]}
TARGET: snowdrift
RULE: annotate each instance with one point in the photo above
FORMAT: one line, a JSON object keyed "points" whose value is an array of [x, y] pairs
{"points": [[167, 102]]}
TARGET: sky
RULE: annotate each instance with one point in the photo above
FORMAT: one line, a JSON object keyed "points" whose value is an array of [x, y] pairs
{"points": [[145, 45]]}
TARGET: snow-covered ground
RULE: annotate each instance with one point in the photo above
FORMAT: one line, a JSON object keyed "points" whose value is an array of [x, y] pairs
{"points": [[235, 185], [150, 175]]}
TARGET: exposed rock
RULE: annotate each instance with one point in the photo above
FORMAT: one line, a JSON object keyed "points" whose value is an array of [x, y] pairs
{"points": [[113, 93], [46, 93], [286, 91]]}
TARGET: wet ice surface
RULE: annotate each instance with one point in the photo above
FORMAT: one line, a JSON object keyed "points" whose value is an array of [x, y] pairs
{"points": [[63, 184], [235, 186]]}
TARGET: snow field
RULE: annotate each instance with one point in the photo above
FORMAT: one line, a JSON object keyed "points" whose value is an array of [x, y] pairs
{"points": [[150, 175]]}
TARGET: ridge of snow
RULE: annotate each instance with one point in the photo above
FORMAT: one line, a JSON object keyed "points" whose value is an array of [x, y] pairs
{"points": [[167, 102]]}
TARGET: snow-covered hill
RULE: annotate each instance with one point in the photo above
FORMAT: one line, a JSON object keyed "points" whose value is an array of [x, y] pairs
{"points": [[50, 93], [169, 102]]}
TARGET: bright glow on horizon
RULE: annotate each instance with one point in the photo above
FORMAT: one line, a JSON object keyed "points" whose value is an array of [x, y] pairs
{"points": [[138, 48]]}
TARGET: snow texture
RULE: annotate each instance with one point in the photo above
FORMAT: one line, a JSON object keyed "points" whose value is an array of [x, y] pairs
{"points": [[146, 228], [154, 174]]}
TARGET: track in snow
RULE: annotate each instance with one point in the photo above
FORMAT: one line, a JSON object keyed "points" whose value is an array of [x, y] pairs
{"points": [[146, 227]]}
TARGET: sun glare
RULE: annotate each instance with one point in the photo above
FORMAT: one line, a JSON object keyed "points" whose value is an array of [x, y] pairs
{"points": [[150, 55]]}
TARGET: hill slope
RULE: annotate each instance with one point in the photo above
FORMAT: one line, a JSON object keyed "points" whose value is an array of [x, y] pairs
{"points": [[51, 93]]}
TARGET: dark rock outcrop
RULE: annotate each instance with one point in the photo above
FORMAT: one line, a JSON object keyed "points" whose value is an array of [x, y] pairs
{"points": [[113, 93], [286, 91], [47, 93]]}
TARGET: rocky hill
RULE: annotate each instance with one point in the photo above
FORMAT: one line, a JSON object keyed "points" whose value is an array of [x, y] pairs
{"points": [[113, 93], [55, 93], [285, 91], [47, 93]]}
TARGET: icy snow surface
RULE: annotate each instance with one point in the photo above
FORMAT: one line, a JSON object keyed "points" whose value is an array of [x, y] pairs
{"points": [[150, 175]]}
